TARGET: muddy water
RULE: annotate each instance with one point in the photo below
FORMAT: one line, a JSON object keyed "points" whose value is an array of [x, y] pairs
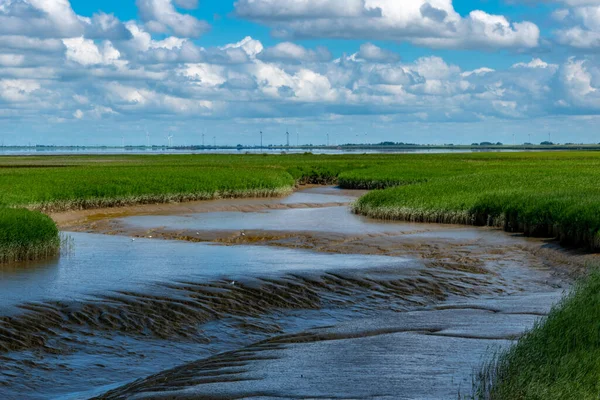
{"points": [[329, 305]]}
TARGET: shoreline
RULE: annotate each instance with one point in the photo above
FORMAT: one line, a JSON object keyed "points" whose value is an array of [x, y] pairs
{"points": [[415, 240], [80, 219]]}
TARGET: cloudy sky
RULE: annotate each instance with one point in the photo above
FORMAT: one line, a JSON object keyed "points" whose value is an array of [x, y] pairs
{"points": [[90, 72]]}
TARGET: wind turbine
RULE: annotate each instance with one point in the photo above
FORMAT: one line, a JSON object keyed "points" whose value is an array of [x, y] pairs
{"points": [[147, 139], [261, 139], [203, 138], [123, 141], [170, 139], [287, 134]]}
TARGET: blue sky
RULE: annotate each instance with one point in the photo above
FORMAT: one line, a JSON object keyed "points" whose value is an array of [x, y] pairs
{"points": [[421, 71]]}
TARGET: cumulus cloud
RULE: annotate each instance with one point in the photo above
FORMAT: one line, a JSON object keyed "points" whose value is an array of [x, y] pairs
{"points": [[432, 23], [162, 16], [580, 24], [581, 86], [18, 90], [370, 52], [105, 26], [291, 52], [56, 66], [85, 52], [39, 18]]}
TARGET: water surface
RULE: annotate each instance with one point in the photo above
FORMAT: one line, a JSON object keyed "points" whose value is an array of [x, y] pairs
{"points": [[120, 317]]}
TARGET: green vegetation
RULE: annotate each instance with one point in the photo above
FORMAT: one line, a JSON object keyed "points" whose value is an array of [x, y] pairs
{"points": [[541, 194], [65, 183], [558, 359], [26, 235]]}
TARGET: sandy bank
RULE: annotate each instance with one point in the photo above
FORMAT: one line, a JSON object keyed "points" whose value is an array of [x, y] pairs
{"points": [[91, 219]]}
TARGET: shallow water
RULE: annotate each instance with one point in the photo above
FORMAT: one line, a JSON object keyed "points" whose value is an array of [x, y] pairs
{"points": [[329, 219], [101, 263], [259, 321]]}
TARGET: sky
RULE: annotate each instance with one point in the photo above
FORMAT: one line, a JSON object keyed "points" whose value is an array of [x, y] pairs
{"points": [[90, 72]]}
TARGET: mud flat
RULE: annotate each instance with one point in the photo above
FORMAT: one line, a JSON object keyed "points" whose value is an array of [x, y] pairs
{"points": [[286, 298]]}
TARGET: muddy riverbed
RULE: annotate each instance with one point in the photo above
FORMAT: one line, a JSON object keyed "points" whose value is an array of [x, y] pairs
{"points": [[268, 298]]}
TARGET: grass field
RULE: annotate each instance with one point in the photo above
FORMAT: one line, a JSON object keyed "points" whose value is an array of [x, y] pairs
{"points": [[558, 359], [541, 194], [26, 235]]}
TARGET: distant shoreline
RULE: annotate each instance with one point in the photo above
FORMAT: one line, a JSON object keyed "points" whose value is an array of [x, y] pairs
{"points": [[350, 148]]}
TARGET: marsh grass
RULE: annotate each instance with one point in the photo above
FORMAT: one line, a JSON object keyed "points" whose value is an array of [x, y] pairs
{"points": [[558, 359], [27, 235], [554, 195], [121, 201]]}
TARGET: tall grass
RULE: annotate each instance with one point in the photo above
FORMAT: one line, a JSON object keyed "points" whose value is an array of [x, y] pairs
{"points": [[26, 235], [556, 196], [52, 184], [539, 194], [558, 359]]}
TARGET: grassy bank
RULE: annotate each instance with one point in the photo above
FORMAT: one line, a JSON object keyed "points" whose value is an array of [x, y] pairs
{"points": [[51, 184], [558, 359], [540, 194], [543, 195], [26, 235], [65, 183]]}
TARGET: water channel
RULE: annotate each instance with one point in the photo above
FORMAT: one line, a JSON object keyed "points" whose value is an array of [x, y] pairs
{"points": [[267, 298]]}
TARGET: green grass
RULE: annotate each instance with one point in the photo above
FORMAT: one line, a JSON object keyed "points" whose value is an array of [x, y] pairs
{"points": [[558, 359], [51, 184], [26, 235], [54, 184], [539, 194]]}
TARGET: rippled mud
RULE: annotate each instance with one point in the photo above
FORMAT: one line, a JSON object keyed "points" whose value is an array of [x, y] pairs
{"points": [[123, 331], [288, 298], [376, 357]]}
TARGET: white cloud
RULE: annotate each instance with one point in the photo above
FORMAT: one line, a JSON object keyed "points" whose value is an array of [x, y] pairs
{"points": [[250, 46], [581, 25], [11, 60], [78, 114], [61, 67], [535, 63], [18, 90], [478, 71], [161, 16], [291, 52], [205, 74], [577, 81], [432, 23], [85, 52], [370, 52]]}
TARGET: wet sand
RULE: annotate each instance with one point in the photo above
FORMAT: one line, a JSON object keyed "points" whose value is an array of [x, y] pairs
{"points": [[277, 298], [378, 357], [307, 196]]}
